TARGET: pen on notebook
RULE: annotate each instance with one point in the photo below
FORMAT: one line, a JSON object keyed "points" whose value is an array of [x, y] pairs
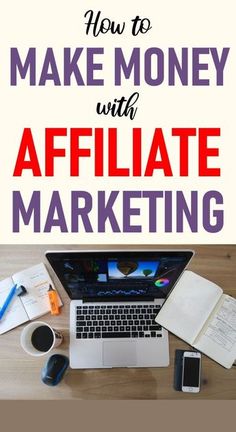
{"points": [[8, 301], [53, 299]]}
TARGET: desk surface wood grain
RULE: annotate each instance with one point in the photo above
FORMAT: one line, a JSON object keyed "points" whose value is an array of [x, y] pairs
{"points": [[20, 373]]}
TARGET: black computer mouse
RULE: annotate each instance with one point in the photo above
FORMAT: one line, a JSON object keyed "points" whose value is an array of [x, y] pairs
{"points": [[54, 369]]}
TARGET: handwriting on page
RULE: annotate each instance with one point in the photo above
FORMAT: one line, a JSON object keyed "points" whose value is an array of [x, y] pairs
{"points": [[222, 329], [228, 311]]}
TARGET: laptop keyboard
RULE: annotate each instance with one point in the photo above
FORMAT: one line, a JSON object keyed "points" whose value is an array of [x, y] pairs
{"points": [[123, 321]]}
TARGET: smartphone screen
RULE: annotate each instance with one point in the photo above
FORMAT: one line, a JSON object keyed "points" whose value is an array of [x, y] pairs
{"points": [[191, 372]]}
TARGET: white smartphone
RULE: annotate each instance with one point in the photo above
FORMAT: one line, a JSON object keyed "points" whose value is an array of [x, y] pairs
{"points": [[191, 372]]}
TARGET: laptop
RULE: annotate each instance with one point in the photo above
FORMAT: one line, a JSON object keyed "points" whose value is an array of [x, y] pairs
{"points": [[115, 297]]}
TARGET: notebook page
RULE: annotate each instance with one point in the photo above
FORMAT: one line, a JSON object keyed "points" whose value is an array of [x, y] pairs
{"points": [[189, 306], [36, 280], [218, 337], [15, 313]]}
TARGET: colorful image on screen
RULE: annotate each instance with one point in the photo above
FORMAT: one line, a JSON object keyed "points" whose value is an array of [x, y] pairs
{"points": [[119, 269], [160, 283]]}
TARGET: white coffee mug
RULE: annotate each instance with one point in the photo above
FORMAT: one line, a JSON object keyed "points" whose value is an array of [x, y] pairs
{"points": [[39, 338]]}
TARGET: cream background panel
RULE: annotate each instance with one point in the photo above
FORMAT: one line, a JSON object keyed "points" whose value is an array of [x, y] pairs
{"points": [[174, 24]]}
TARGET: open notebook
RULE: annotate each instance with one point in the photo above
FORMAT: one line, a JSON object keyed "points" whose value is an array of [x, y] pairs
{"points": [[33, 304], [198, 312]]}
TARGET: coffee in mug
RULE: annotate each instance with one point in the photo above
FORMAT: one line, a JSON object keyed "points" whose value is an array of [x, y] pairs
{"points": [[42, 338], [39, 338]]}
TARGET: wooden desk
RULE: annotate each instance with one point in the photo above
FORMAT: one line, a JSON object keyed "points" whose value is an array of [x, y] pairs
{"points": [[20, 373]]}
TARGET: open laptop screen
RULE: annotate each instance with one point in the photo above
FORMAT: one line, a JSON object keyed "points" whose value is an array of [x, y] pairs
{"points": [[118, 275]]}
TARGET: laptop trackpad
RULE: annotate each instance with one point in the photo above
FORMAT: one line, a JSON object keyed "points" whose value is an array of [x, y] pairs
{"points": [[119, 353]]}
